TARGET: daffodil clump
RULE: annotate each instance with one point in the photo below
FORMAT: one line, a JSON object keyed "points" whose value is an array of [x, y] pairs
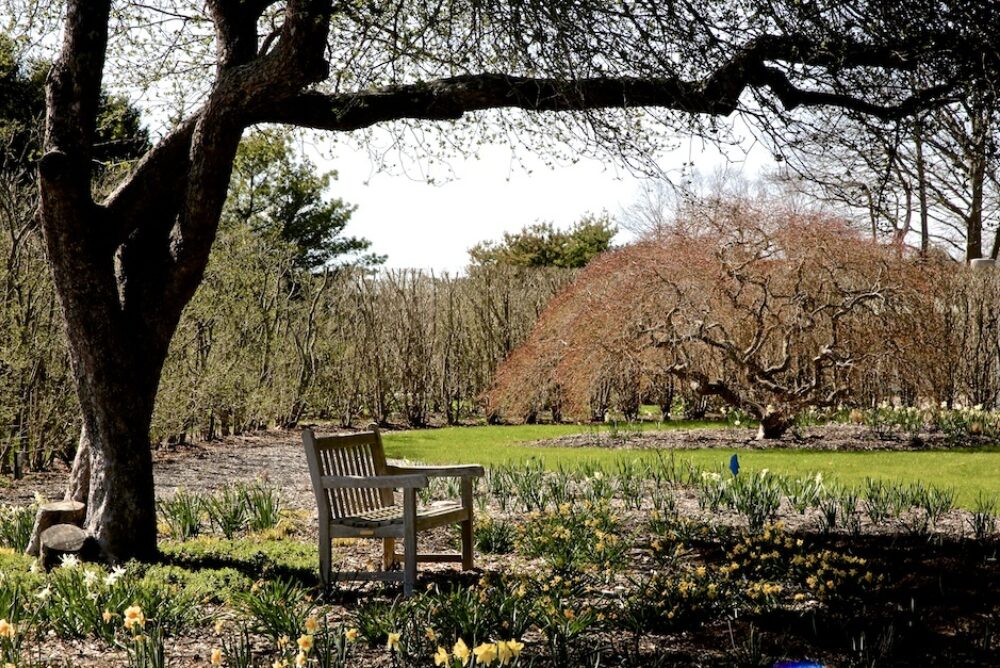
{"points": [[316, 644], [958, 423], [583, 536], [665, 601], [500, 653], [774, 555]]}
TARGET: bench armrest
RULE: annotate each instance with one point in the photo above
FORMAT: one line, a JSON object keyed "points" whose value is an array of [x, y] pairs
{"points": [[461, 471], [410, 481]]}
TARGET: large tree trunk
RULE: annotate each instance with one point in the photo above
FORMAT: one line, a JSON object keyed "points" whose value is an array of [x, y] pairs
{"points": [[121, 508]]}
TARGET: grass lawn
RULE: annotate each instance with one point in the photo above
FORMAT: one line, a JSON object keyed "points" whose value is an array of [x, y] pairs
{"points": [[969, 472]]}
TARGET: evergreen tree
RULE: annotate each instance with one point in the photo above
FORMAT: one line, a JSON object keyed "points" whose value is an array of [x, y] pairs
{"points": [[542, 245], [282, 196]]}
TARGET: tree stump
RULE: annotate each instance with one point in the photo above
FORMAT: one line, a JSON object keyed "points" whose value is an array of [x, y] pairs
{"points": [[51, 514], [61, 540]]}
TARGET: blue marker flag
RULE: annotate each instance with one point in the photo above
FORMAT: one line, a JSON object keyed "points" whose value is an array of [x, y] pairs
{"points": [[734, 464]]}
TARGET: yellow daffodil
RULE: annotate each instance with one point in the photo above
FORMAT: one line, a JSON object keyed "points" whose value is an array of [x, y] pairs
{"points": [[305, 642], [485, 654], [515, 647], [134, 617], [107, 616], [312, 625], [216, 659], [283, 642], [504, 652], [220, 625], [431, 634], [301, 660], [351, 635], [441, 657], [6, 629], [392, 642], [461, 651]]}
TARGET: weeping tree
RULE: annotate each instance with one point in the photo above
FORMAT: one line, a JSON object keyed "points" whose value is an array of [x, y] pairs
{"points": [[607, 75], [767, 309]]}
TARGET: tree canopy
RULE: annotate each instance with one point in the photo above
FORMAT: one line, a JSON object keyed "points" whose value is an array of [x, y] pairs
{"points": [[542, 245], [280, 195], [119, 134]]}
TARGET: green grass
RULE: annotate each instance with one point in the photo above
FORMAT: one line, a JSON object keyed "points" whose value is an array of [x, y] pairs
{"points": [[968, 472]]}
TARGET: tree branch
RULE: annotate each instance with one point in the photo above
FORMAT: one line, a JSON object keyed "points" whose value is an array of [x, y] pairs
{"points": [[717, 94]]}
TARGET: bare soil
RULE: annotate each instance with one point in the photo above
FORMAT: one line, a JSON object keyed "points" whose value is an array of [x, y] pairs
{"points": [[836, 437], [274, 456]]}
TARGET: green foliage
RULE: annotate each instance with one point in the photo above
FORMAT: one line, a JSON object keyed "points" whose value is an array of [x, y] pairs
{"points": [[275, 608], [571, 538], [256, 556], [263, 505], [667, 601], [182, 513], [235, 508], [227, 511], [281, 198], [494, 536], [120, 135], [756, 496], [145, 648], [542, 245], [16, 524], [238, 648], [375, 619], [332, 648], [77, 601], [983, 520]]}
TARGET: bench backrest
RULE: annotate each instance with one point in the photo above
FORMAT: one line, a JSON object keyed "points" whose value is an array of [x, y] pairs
{"points": [[359, 454]]}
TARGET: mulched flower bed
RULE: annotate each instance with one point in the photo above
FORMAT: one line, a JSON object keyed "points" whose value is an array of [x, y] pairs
{"points": [[933, 599]]}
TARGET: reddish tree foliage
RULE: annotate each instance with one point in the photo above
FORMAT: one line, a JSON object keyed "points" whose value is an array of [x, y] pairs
{"points": [[767, 309]]}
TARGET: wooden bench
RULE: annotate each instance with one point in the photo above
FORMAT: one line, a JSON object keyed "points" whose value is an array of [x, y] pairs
{"points": [[354, 488]]}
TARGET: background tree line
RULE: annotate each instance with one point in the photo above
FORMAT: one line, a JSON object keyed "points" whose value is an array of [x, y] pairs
{"points": [[278, 331]]}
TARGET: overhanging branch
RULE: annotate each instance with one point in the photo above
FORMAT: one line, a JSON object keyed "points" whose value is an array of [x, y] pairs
{"points": [[717, 94]]}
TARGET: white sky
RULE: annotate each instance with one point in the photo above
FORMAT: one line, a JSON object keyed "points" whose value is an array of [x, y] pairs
{"points": [[420, 225]]}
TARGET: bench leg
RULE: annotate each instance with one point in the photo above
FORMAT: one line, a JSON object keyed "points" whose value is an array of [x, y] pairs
{"points": [[388, 553], [467, 525], [325, 556], [409, 541]]}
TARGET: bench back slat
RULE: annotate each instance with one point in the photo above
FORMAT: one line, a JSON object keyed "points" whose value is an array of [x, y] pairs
{"points": [[359, 454]]}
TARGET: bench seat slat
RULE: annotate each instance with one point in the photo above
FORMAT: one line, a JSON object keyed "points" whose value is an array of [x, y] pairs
{"points": [[444, 513]]}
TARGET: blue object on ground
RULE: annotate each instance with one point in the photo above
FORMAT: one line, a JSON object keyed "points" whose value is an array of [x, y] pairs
{"points": [[798, 664], [734, 464]]}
